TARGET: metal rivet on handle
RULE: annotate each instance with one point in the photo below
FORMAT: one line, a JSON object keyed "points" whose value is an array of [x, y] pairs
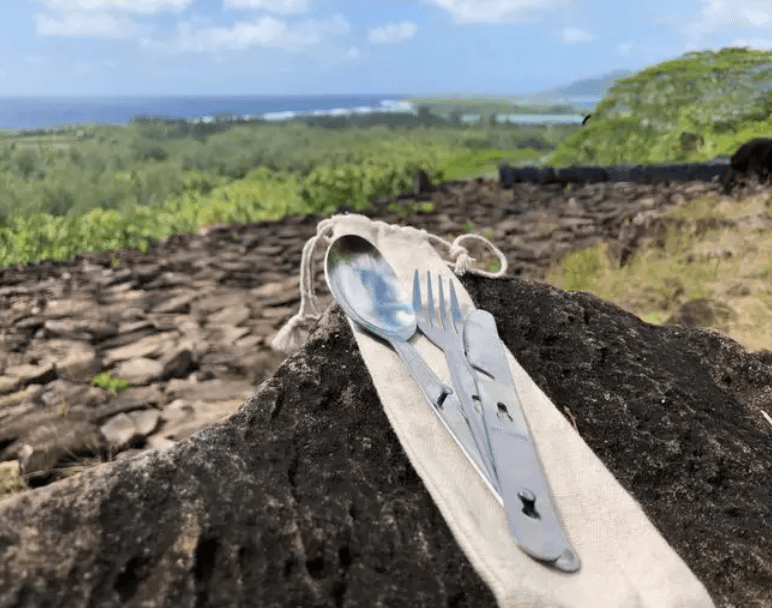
{"points": [[529, 503]]}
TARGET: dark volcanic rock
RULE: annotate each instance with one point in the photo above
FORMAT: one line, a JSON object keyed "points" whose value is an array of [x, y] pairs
{"points": [[648, 174], [421, 183], [702, 312], [202, 306], [588, 175], [674, 413], [305, 497], [753, 158]]}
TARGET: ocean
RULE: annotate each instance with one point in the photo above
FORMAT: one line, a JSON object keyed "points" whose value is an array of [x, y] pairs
{"points": [[48, 112]]}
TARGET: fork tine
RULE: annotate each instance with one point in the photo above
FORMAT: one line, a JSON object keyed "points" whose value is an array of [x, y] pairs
{"points": [[443, 313], [455, 309], [430, 299], [417, 294]]}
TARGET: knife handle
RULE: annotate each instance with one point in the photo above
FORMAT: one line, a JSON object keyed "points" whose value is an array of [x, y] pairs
{"points": [[531, 511]]}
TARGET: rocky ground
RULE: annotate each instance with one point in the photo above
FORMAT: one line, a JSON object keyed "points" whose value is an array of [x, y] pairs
{"points": [[305, 497], [189, 324]]}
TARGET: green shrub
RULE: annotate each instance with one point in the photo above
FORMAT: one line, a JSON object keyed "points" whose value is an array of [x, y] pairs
{"points": [[114, 385], [26, 162], [356, 185]]}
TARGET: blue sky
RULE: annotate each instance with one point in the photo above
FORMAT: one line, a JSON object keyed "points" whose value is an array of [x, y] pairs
{"points": [[306, 47]]}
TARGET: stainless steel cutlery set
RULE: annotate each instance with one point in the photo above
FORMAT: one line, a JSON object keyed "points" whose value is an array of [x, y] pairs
{"points": [[481, 411]]}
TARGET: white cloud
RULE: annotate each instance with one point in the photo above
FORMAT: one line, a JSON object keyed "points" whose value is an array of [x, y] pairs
{"points": [[493, 12], [99, 18], [136, 7], [573, 35], [85, 25], [392, 33], [352, 53], [719, 14], [624, 48], [284, 7], [265, 33]]}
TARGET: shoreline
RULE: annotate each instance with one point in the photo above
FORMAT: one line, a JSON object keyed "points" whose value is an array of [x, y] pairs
{"points": [[23, 115]]}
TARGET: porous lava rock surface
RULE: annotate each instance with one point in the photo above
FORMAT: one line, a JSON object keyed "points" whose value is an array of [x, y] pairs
{"points": [[304, 497]]}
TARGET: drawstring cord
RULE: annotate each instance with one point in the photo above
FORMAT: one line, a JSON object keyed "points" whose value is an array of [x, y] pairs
{"points": [[462, 261], [295, 332]]}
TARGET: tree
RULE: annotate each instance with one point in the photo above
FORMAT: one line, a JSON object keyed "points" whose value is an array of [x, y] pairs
{"points": [[26, 161]]}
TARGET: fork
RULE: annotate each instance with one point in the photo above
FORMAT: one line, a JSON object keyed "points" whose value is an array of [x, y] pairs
{"points": [[445, 332]]}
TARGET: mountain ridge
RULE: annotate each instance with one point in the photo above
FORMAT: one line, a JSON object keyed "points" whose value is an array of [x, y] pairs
{"points": [[595, 87]]}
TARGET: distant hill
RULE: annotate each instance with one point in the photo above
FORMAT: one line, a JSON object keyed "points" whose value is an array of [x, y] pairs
{"points": [[590, 87], [690, 108]]}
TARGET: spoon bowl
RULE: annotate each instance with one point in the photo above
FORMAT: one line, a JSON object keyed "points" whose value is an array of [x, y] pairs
{"points": [[367, 289]]}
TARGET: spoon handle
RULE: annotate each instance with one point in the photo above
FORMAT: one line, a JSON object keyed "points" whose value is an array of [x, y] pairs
{"points": [[446, 407], [430, 385]]}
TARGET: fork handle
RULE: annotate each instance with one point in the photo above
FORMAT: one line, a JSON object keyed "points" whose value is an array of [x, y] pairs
{"points": [[464, 380]]}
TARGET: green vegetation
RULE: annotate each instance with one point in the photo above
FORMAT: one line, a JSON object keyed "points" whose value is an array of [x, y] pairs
{"points": [[11, 482], [694, 259], [493, 265], [485, 163], [109, 187], [327, 188], [114, 385], [452, 109], [696, 107], [404, 208], [690, 109]]}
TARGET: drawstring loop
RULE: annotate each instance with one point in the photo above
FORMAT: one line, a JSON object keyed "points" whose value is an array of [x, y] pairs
{"points": [[462, 261]]}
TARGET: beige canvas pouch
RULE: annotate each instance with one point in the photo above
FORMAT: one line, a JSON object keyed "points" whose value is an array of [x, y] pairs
{"points": [[626, 563]]}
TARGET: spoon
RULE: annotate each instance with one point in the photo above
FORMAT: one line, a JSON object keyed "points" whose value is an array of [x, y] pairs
{"points": [[366, 287]]}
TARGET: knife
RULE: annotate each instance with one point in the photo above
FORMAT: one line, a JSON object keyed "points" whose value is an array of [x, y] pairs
{"points": [[531, 513]]}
